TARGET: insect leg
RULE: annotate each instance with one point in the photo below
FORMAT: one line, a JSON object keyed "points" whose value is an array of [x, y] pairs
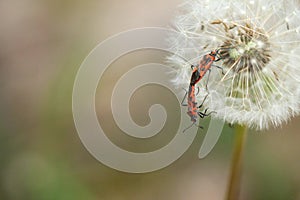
{"points": [[205, 114], [207, 80], [221, 68], [199, 126], [182, 102], [203, 101], [198, 91]]}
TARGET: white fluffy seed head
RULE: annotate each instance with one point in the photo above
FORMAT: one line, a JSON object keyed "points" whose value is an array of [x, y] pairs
{"points": [[259, 42]]}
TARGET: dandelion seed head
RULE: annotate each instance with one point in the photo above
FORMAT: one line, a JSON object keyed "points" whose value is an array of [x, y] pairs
{"points": [[259, 42]]}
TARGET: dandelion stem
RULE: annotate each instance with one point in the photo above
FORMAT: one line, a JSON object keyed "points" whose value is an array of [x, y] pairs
{"points": [[236, 165]]}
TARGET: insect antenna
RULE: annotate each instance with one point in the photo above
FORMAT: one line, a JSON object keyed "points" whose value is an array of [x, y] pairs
{"points": [[193, 124]]}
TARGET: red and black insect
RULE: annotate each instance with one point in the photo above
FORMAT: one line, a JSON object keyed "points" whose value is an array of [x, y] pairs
{"points": [[198, 73]]}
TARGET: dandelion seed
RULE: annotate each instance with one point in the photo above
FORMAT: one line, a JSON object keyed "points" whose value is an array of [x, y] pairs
{"points": [[260, 46]]}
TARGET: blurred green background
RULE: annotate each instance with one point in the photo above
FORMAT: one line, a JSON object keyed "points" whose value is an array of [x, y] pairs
{"points": [[41, 157]]}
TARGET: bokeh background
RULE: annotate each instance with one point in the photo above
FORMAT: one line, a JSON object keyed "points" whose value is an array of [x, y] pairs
{"points": [[41, 157]]}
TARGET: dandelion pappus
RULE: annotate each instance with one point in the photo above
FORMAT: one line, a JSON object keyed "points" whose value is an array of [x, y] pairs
{"points": [[204, 66]]}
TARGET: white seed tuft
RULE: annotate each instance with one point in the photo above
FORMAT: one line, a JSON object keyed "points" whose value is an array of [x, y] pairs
{"points": [[260, 47]]}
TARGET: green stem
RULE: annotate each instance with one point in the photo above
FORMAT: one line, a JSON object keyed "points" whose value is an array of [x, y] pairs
{"points": [[236, 165]]}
